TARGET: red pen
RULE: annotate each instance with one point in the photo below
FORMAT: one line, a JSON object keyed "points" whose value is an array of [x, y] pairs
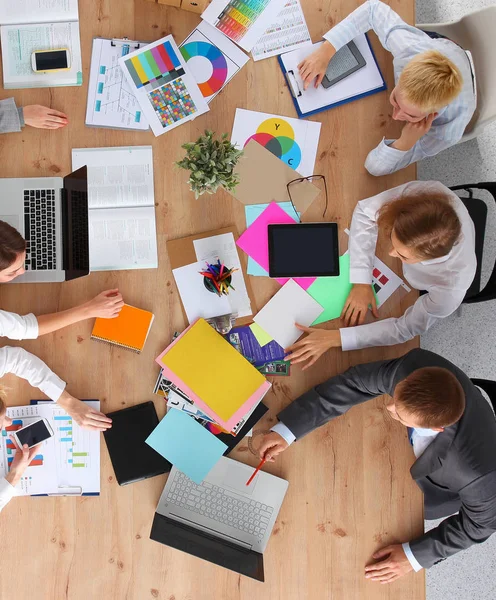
{"points": [[262, 462]]}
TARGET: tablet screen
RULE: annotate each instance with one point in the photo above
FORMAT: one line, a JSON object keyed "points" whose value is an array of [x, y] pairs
{"points": [[303, 250]]}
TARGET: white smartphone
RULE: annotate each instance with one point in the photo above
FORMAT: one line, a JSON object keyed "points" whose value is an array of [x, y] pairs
{"points": [[33, 434], [51, 60]]}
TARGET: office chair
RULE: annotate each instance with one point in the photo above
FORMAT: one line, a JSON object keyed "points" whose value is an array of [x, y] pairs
{"points": [[477, 210], [476, 32], [489, 387]]}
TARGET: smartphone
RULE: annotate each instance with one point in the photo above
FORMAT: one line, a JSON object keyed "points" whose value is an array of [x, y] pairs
{"points": [[51, 60], [33, 434]]}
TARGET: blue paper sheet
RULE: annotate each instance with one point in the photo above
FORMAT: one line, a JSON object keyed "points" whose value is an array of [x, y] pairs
{"points": [[252, 212], [186, 444]]}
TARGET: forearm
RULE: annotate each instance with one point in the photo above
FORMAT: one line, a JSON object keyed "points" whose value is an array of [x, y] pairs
{"points": [[11, 118], [55, 321]]}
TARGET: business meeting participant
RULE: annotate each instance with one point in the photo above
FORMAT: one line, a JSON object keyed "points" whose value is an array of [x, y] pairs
{"points": [[106, 305], [453, 433], [430, 231], [13, 119], [434, 92]]}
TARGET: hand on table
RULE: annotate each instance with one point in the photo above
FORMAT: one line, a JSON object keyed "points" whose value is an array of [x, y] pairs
{"points": [[394, 564], [271, 445], [314, 66], [42, 117], [412, 132], [107, 305], [357, 305], [85, 416], [310, 349], [4, 419], [21, 462]]}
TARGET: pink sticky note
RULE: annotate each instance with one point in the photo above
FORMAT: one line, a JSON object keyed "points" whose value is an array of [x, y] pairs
{"points": [[255, 240]]}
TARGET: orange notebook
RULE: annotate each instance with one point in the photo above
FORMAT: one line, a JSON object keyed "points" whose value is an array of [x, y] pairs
{"points": [[129, 330]]}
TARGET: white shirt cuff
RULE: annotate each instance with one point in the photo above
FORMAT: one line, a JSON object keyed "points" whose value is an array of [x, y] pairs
{"points": [[53, 387], [7, 492], [32, 328], [360, 275], [336, 38], [284, 432], [413, 561], [348, 338]]}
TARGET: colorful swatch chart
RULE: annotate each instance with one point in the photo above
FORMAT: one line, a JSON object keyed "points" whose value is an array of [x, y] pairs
{"points": [[243, 21], [212, 59], [167, 93], [384, 281]]}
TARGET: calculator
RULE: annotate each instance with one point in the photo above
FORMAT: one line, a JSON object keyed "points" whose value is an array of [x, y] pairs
{"points": [[346, 61]]}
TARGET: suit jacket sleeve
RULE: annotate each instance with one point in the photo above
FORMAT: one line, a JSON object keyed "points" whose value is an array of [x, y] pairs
{"points": [[337, 395], [11, 117], [473, 524]]}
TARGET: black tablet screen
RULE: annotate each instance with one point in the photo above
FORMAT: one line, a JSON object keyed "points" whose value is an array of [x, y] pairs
{"points": [[303, 250]]}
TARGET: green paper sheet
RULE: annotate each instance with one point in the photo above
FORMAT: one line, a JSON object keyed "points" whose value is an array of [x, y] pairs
{"points": [[263, 338], [331, 292]]}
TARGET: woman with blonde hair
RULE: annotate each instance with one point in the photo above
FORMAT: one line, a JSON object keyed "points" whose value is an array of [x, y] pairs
{"points": [[430, 231]]}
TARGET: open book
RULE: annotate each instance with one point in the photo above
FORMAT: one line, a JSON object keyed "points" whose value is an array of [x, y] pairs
{"points": [[31, 25], [121, 202]]}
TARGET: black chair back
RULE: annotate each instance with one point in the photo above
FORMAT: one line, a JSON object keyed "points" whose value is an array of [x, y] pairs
{"points": [[489, 387]]}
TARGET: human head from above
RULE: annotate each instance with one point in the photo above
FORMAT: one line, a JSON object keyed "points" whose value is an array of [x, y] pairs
{"points": [[12, 252], [429, 398], [420, 226], [429, 82]]}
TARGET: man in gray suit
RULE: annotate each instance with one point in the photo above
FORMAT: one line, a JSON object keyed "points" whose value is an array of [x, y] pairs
{"points": [[453, 432], [13, 119]]}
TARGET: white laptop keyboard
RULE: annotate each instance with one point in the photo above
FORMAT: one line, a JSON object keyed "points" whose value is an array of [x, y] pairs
{"points": [[220, 504]]}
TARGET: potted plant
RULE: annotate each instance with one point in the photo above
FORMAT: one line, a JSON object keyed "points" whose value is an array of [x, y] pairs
{"points": [[211, 163]]}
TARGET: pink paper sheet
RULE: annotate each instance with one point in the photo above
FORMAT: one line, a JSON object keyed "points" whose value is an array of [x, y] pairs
{"points": [[236, 417], [255, 240]]}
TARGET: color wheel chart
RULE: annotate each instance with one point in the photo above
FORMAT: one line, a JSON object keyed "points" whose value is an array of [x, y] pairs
{"points": [[278, 137], [218, 63], [158, 71]]}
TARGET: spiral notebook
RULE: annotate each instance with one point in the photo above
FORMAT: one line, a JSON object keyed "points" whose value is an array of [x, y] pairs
{"points": [[129, 330]]}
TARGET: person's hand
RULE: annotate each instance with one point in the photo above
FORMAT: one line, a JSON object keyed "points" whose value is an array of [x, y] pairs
{"points": [[22, 459], [394, 564], [42, 117], [412, 132], [311, 348], [4, 419], [85, 416], [357, 305], [314, 66], [107, 305], [272, 444]]}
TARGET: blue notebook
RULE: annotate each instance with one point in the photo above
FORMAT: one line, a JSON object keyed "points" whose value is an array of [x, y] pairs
{"points": [[366, 81]]}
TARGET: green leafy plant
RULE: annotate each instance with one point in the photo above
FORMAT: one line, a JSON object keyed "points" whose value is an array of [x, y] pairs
{"points": [[211, 163]]}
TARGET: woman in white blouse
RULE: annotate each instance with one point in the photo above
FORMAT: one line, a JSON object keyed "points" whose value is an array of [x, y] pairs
{"points": [[431, 232], [23, 364]]}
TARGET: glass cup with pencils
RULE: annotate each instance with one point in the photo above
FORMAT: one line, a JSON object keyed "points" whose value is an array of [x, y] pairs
{"points": [[217, 278]]}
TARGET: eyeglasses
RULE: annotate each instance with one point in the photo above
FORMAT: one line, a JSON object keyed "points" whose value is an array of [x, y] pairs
{"points": [[311, 179]]}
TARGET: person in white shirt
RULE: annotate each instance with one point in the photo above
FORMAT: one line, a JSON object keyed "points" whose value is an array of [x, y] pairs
{"points": [[431, 232], [434, 92]]}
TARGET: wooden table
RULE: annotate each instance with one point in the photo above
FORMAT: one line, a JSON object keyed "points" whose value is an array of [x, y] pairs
{"points": [[350, 488]]}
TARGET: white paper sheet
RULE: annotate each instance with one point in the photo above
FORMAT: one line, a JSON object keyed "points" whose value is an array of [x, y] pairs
{"points": [[122, 225], [294, 141], [111, 101], [223, 247], [14, 12], [20, 41], [212, 59], [71, 458], [288, 32], [169, 99], [365, 80], [242, 23], [290, 305]]}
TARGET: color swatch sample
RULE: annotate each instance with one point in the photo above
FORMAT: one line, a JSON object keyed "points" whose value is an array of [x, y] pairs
{"points": [[172, 102], [186, 444], [217, 60], [167, 93]]}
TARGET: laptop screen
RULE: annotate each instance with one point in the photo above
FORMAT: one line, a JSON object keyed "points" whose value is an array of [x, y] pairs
{"points": [[76, 258]]}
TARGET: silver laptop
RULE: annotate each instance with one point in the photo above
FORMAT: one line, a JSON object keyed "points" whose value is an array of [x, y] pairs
{"points": [[51, 213], [221, 520]]}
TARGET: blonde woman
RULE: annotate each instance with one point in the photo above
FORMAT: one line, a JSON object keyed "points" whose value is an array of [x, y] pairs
{"points": [[434, 92]]}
